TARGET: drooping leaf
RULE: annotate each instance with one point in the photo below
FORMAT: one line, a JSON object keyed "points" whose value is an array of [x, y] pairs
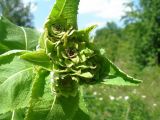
{"points": [[39, 58], [8, 56], [118, 77], [15, 83], [14, 37]]}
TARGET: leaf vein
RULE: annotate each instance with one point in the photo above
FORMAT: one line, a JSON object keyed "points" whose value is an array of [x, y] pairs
{"points": [[18, 73], [25, 37]]}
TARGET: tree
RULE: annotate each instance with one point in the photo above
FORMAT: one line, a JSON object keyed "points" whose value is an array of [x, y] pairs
{"points": [[17, 12], [147, 29]]}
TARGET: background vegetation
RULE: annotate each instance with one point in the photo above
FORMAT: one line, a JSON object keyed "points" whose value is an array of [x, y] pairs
{"points": [[135, 48]]}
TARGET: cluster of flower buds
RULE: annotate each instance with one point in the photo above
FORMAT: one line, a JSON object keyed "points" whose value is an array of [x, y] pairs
{"points": [[74, 57]]}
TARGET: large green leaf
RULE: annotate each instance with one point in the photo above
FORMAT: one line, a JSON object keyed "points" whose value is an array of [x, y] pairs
{"points": [[65, 10], [15, 37], [15, 83], [118, 77]]}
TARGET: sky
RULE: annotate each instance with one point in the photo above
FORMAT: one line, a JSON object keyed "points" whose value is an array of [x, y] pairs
{"points": [[90, 12]]}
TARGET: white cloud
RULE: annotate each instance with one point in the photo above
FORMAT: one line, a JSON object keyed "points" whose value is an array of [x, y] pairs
{"points": [[110, 9], [33, 5], [27, 1]]}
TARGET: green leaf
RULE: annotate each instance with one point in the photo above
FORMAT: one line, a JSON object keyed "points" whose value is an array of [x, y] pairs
{"points": [[64, 108], [48, 107], [40, 109], [39, 58], [82, 113], [118, 77], [18, 114], [15, 37], [8, 56], [89, 29], [69, 108], [40, 104], [121, 81], [15, 83], [65, 10], [37, 92], [6, 116]]}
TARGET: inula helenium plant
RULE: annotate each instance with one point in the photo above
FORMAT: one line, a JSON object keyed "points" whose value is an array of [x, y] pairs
{"points": [[42, 80]]}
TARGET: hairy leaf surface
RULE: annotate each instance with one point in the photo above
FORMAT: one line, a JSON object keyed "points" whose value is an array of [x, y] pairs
{"points": [[64, 108], [65, 10], [15, 85], [37, 93]]}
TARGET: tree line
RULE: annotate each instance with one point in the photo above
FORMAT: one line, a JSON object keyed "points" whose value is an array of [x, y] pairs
{"points": [[141, 34]]}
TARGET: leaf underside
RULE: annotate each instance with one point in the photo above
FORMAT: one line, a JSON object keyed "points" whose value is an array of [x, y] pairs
{"points": [[118, 77], [14, 37]]}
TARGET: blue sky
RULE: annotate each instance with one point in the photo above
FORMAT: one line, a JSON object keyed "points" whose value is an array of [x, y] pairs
{"points": [[90, 11]]}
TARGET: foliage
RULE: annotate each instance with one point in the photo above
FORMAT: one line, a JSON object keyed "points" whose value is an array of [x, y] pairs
{"points": [[146, 19], [63, 61], [17, 12], [20, 41]]}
